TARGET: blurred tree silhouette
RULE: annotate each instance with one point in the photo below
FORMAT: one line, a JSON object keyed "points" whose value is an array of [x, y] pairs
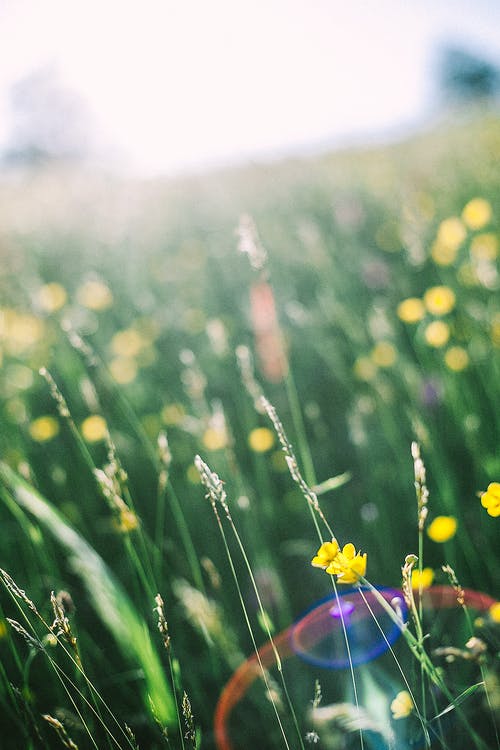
{"points": [[465, 76], [49, 121]]}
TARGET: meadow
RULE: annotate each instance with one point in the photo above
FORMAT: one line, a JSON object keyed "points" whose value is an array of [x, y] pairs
{"points": [[204, 382]]}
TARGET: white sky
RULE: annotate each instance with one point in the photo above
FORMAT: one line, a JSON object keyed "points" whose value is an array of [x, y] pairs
{"points": [[188, 83]]}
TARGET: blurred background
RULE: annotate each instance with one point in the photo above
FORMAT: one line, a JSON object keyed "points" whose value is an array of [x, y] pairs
{"points": [[148, 152], [166, 87]]}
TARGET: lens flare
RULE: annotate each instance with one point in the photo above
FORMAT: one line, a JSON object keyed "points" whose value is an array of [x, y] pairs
{"points": [[318, 638]]}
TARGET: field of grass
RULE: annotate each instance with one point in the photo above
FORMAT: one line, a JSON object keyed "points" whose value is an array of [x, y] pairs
{"points": [[324, 334]]}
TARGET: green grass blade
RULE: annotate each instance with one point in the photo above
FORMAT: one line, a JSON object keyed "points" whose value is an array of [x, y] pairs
{"points": [[105, 592]]}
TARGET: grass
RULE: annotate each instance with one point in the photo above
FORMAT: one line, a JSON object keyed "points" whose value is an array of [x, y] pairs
{"points": [[135, 337]]}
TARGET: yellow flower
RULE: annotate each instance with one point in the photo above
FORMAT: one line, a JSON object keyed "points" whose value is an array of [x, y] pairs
{"points": [[442, 528], [126, 343], [384, 354], [123, 369], [173, 414], [126, 521], [456, 358], [214, 439], [494, 611], [402, 705], [484, 246], [261, 439], [347, 565], [477, 213], [94, 428], [437, 334], [443, 255], [51, 297], [423, 579], [365, 369], [43, 429], [439, 300], [411, 310], [95, 295], [326, 554], [3, 629], [451, 233], [491, 499]]}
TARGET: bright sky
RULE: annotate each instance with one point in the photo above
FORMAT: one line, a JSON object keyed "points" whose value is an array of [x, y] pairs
{"points": [[182, 84]]}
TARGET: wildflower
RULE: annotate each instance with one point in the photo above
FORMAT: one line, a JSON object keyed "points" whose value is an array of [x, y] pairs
{"points": [[126, 343], [365, 369], [94, 428], [439, 300], [44, 428], [477, 213], [126, 521], [494, 612], [437, 334], [173, 414], [51, 297], [261, 439], [451, 233], [484, 246], [456, 358], [422, 579], [95, 295], [384, 354], [491, 499], [269, 343], [326, 555], [402, 705], [443, 255], [214, 439], [347, 565], [123, 370], [411, 310], [442, 528]]}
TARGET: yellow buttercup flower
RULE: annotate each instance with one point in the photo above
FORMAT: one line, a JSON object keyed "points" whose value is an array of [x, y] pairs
{"points": [[94, 428], [477, 213], [326, 554], [411, 310], [456, 358], [437, 334], [439, 300], [95, 295], [442, 528], [123, 369], [491, 499], [423, 579], [494, 612], [443, 255], [347, 565], [484, 246], [402, 705], [384, 354], [44, 428], [173, 414], [451, 233], [261, 439], [214, 439], [365, 369], [51, 297], [127, 343], [126, 521]]}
